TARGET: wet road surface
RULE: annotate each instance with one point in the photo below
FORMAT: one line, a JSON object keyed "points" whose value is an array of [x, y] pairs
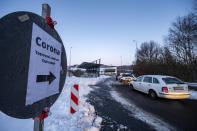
{"points": [[180, 114]]}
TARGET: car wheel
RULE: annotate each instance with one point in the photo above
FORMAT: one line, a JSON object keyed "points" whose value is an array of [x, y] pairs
{"points": [[152, 94]]}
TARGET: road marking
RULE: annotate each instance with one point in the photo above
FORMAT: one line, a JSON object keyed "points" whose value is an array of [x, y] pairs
{"points": [[142, 115]]}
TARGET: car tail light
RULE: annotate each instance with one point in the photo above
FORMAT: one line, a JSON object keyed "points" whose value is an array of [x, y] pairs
{"points": [[164, 89]]}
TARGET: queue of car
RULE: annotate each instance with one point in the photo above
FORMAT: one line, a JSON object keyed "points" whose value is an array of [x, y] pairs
{"points": [[156, 85], [125, 77]]}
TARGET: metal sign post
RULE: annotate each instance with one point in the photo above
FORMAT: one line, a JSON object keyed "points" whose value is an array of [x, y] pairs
{"points": [[33, 65], [38, 121], [38, 124], [46, 10]]}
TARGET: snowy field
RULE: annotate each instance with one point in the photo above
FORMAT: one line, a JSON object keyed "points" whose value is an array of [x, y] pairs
{"points": [[61, 119], [193, 91]]}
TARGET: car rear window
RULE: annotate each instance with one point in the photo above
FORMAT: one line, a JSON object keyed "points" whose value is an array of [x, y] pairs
{"points": [[127, 75], [171, 80]]}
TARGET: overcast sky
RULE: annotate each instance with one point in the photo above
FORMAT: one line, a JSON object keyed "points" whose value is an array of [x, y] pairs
{"points": [[106, 28]]}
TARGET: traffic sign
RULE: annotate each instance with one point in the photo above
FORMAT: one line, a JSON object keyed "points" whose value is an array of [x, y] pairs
{"points": [[33, 65]]}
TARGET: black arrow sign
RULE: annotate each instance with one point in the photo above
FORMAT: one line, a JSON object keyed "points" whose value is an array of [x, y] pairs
{"points": [[43, 78]]}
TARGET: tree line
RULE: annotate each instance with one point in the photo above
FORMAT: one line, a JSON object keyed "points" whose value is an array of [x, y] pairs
{"points": [[177, 57]]}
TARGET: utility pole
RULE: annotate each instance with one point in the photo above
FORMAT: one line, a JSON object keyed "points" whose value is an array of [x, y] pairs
{"points": [[135, 44], [120, 60], [99, 62], [120, 63], [136, 48]]}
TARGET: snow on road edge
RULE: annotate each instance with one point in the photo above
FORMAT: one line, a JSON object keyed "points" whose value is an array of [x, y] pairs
{"points": [[84, 119], [142, 115], [193, 95]]}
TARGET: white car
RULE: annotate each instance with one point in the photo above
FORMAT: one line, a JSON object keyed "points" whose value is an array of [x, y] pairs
{"points": [[119, 76], [126, 77], [161, 86]]}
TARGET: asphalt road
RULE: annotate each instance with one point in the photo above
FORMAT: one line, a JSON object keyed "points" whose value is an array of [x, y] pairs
{"points": [[180, 114]]}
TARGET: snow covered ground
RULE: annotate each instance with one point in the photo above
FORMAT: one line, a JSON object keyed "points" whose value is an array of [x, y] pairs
{"points": [[61, 119], [193, 95], [192, 86], [193, 91]]}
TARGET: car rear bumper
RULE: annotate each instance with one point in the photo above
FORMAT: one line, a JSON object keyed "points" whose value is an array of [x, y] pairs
{"points": [[126, 81], [174, 96]]}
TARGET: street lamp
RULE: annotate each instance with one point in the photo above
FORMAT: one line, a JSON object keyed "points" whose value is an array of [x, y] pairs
{"points": [[120, 63], [120, 60], [135, 44], [136, 48]]}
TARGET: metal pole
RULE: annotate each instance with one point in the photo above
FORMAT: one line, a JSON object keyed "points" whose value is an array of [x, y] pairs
{"points": [[121, 64], [46, 10], [39, 124], [121, 61], [135, 44], [136, 48], [99, 67]]}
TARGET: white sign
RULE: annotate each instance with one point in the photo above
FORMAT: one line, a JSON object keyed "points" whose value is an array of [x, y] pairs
{"points": [[44, 66]]}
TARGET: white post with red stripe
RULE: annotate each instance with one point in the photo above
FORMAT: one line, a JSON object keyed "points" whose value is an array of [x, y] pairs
{"points": [[74, 99]]}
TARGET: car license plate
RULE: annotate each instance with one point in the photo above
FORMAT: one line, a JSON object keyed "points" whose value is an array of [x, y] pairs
{"points": [[178, 88]]}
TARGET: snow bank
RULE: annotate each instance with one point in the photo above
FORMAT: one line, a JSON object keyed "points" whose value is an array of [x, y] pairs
{"points": [[193, 95], [75, 69], [84, 119], [192, 86], [61, 119]]}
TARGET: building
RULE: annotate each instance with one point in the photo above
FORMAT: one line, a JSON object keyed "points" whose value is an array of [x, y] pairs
{"points": [[108, 70]]}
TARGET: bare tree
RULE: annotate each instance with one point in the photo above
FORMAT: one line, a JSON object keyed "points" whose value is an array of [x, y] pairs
{"points": [[182, 39], [195, 6], [149, 52], [148, 57], [167, 57], [178, 57], [195, 21]]}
